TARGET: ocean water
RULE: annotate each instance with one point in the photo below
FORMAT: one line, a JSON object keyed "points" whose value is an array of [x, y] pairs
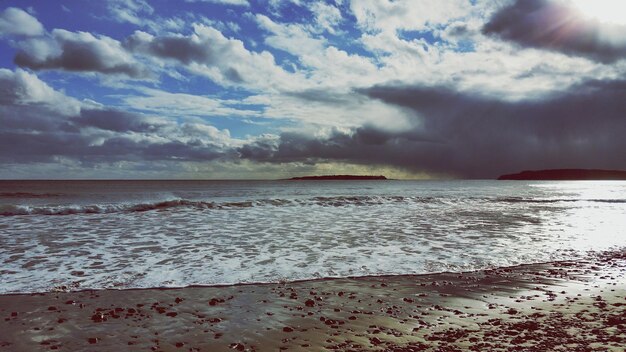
{"points": [[131, 234]]}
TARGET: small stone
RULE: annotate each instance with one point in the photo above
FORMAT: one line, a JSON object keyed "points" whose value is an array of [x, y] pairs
{"points": [[93, 340], [287, 329], [238, 346], [375, 341]]}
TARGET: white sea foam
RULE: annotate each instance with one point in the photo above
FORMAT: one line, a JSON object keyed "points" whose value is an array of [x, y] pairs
{"points": [[265, 232], [337, 201]]}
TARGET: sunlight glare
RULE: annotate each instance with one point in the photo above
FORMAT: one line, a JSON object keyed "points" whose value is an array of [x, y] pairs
{"points": [[609, 11]]}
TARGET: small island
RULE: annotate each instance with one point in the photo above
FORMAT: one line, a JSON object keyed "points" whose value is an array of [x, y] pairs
{"points": [[566, 175], [337, 177]]}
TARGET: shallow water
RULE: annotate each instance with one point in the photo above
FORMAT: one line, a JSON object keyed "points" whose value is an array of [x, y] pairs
{"points": [[102, 234]]}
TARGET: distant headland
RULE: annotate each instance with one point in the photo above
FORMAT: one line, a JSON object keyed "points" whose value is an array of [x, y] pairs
{"points": [[566, 174], [337, 177]]}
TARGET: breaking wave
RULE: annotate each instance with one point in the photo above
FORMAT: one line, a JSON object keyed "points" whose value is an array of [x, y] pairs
{"points": [[9, 210], [557, 200], [334, 201]]}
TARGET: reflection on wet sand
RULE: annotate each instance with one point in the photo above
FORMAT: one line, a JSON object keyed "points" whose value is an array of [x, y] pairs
{"points": [[551, 306]]}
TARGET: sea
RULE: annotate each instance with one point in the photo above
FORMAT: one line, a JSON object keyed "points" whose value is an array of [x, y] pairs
{"points": [[76, 235]]}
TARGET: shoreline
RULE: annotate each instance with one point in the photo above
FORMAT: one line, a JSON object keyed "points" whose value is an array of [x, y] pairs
{"points": [[554, 306], [60, 289]]}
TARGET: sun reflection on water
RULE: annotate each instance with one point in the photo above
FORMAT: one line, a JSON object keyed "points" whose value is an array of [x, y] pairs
{"points": [[595, 217]]}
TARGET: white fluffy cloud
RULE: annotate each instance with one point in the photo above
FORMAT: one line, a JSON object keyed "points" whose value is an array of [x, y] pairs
{"points": [[225, 2], [39, 123], [184, 105], [327, 17], [14, 21], [132, 11], [390, 16], [293, 38], [22, 88], [207, 52], [80, 52], [404, 83]]}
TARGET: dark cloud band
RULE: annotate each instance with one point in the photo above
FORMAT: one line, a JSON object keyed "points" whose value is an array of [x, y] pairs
{"points": [[470, 135], [553, 25]]}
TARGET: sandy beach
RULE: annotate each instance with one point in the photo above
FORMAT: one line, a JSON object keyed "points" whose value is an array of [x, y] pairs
{"points": [[561, 306], [321, 175]]}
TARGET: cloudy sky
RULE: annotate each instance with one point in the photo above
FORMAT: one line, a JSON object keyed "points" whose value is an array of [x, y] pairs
{"points": [[270, 89]]}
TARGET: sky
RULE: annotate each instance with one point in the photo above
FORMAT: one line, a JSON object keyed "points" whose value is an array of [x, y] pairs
{"points": [[263, 89]]}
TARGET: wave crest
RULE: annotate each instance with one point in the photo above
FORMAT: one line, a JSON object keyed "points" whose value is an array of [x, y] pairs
{"points": [[557, 200], [330, 201]]}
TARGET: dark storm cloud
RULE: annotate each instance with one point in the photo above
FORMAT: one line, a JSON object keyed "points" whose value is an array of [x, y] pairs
{"points": [[205, 47], [34, 128], [43, 139], [80, 52], [25, 147], [554, 25], [470, 135], [114, 120], [34, 119], [173, 47], [121, 148], [325, 96]]}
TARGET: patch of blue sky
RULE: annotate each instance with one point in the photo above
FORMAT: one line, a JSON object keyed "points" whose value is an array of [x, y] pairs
{"points": [[465, 46], [431, 38], [6, 55], [191, 84], [77, 16], [348, 20], [246, 107], [285, 12], [346, 36], [254, 40], [288, 61], [349, 40], [96, 17], [428, 36], [243, 127], [82, 86], [197, 11]]}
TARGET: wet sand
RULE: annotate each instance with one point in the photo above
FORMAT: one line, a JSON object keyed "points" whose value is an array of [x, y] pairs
{"points": [[562, 306]]}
